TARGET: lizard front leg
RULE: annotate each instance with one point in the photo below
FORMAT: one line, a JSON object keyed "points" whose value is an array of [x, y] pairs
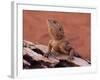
{"points": [[71, 54], [49, 49]]}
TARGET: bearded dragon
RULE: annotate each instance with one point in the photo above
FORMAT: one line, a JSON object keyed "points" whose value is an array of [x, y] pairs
{"points": [[58, 43]]}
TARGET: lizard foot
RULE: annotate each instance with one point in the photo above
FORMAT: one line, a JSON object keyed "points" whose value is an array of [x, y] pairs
{"points": [[70, 58], [47, 55]]}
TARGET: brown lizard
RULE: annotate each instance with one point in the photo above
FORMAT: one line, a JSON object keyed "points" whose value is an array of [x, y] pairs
{"points": [[58, 43]]}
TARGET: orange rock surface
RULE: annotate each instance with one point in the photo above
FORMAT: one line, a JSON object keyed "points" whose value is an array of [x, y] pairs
{"points": [[76, 27]]}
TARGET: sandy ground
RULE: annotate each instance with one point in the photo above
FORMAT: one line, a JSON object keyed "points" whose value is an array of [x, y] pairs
{"points": [[76, 27]]}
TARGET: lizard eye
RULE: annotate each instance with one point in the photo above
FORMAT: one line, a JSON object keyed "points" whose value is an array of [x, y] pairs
{"points": [[54, 22], [60, 29]]}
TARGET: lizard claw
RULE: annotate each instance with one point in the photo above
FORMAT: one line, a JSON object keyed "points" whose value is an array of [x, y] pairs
{"points": [[70, 58], [47, 55]]}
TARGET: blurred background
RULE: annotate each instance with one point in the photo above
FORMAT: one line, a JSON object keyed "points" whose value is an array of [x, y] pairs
{"points": [[76, 26]]}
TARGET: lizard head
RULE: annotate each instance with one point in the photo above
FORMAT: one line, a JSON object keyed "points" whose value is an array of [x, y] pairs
{"points": [[55, 29]]}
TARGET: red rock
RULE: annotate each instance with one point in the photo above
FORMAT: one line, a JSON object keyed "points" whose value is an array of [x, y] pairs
{"points": [[76, 27]]}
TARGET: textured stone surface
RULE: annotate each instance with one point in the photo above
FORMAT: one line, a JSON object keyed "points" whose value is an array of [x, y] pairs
{"points": [[33, 57]]}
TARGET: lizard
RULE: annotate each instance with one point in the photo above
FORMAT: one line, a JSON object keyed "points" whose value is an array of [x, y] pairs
{"points": [[58, 42]]}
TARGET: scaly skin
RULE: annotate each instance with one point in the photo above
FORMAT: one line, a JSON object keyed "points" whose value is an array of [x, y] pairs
{"points": [[58, 43]]}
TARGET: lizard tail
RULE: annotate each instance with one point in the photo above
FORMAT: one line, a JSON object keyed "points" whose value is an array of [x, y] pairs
{"points": [[76, 54]]}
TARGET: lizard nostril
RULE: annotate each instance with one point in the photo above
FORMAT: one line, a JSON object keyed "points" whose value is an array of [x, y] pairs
{"points": [[48, 19]]}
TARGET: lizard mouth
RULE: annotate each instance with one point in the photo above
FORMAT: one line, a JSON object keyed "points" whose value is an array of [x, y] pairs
{"points": [[51, 22]]}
